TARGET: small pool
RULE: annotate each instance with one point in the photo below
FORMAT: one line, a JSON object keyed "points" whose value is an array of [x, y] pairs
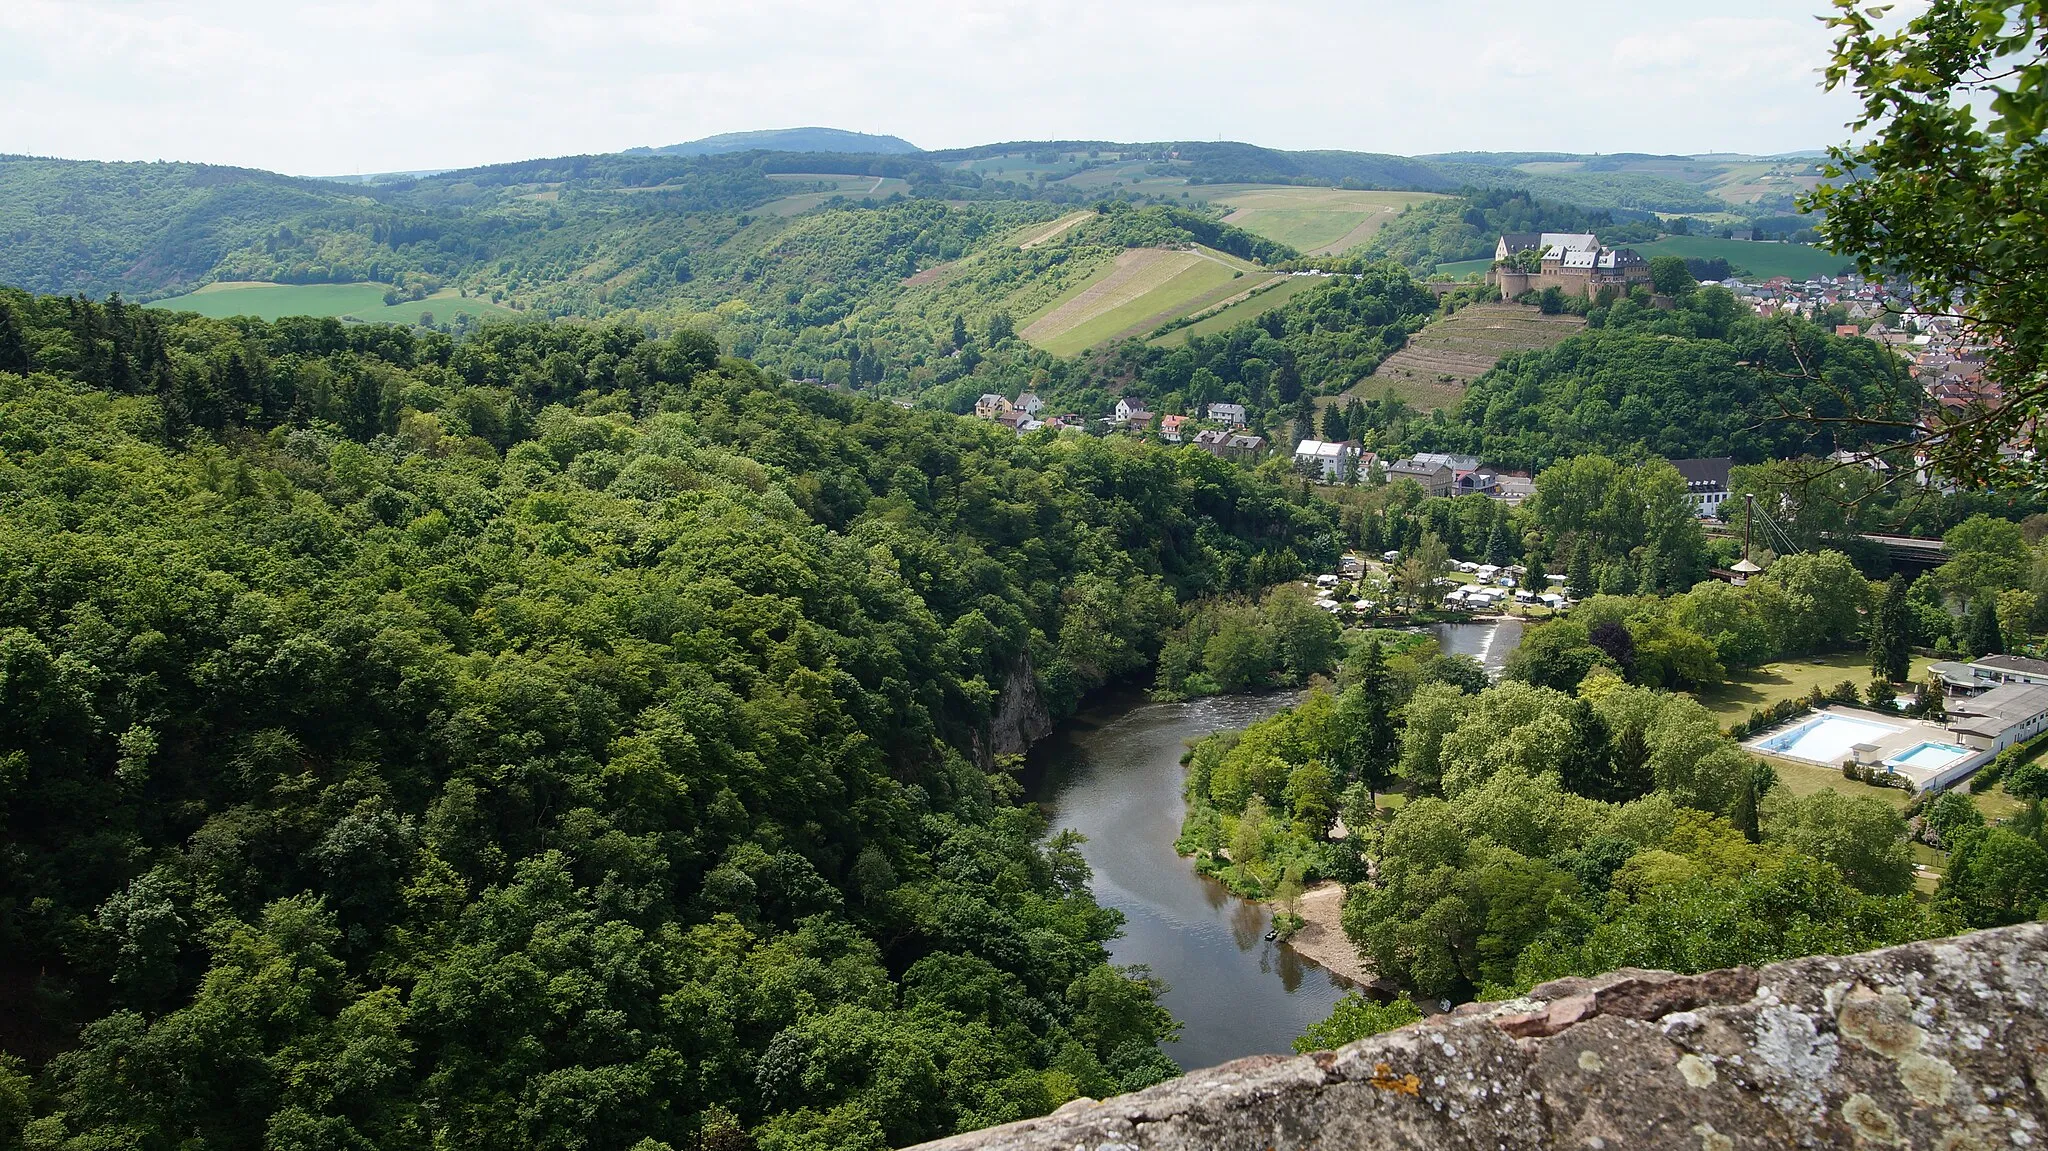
{"points": [[1927, 756], [1826, 738]]}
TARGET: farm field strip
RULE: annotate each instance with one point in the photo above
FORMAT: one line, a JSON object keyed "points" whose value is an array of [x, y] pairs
{"points": [[360, 301], [1449, 353], [1137, 285], [1256, 304], [1056, 229]]}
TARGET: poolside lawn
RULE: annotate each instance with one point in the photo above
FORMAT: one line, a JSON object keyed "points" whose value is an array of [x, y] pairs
{"points": [[1754, 688]]}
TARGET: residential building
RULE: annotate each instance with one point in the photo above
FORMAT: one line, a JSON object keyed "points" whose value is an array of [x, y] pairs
{"points": [[1030, 404], [1130, 411], [1335, 461], [1436, 478], [1170, 428], [991, 406], [1230, 415], [1706, 483]]}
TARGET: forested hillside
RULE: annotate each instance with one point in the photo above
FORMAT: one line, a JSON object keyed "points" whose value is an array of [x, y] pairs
{"points": [[559, 738]]}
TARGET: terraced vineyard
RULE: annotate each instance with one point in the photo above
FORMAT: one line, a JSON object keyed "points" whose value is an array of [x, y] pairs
{"points": [[1442, 358], [1136, 293]]}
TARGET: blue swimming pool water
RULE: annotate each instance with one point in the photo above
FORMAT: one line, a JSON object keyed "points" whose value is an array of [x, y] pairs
{"points": [[1928, 756], [1826, 738]]}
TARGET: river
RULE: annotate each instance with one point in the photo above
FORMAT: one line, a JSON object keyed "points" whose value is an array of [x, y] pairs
{"points": [[1113, 774]]}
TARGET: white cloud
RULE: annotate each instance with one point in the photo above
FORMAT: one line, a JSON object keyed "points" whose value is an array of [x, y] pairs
{"points": [[322, 86]]}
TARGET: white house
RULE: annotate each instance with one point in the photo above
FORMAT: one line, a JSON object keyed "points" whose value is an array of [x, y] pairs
{"points": [[1130, 411], [1030, 404], [1332, 460], [1230, 414], [1706, 483]]}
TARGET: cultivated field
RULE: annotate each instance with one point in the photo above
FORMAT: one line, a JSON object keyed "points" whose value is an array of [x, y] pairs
{"points": [[1449, 353], [357, 301], [1139, 290], [1462, 268], [1317, 221], [1237, 312], [1799, 261], [1045, 233], [855, 187]]}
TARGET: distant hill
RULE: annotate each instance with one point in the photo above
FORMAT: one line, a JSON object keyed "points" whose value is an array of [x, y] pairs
{"points": [[785, 140]]}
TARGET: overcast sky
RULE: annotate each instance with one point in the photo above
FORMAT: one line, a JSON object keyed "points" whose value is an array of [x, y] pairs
{"points": [[318, 88]]}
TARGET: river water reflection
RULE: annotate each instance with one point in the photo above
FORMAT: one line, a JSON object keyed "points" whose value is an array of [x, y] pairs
{"points": [[1113, 773]]}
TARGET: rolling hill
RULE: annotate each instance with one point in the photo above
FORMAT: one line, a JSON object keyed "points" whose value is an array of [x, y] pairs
{"points": [[785, 140]]}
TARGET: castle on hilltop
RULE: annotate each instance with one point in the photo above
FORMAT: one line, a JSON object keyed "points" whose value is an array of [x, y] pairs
{"points": [[1573, 262]]}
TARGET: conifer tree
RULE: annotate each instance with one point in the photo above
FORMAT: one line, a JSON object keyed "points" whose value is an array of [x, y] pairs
{"points": [[1578, 577], [1632, 778], [1334, 431], [1588, 759], [1982, 636], [1891, 653], [13, 344], [1497, 552]]}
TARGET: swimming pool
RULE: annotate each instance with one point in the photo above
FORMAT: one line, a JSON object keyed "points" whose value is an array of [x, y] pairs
{"points": [[1826, 738], [1927, 756]]}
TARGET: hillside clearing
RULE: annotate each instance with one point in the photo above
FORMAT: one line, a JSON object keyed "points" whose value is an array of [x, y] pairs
{"points": [[1751, 258], [1251, 308], [1058, 227], [354, 301], [1141, 286], [1317, 221], [854, 187], [1451, 352]]}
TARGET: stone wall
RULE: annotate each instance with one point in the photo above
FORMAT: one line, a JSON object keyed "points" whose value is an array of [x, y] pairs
{"points": [[1939, 1045]]}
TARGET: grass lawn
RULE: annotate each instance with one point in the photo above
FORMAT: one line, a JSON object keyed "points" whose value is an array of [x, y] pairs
{"points": [[1749, 690], [1799, 261], [356, 301], [1463, 268]]}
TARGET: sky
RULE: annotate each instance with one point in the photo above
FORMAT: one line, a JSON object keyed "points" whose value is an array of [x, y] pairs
{"points": [[310, 87]]}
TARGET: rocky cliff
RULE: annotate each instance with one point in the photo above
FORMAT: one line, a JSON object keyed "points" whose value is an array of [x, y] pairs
{"points": [[1940, 1045], [1021, 718]]}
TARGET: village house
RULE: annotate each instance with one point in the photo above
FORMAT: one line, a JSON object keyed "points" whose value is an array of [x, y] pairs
{"points": [[991, 406], [1130, 411], [1435, 476], [1228, 444], [1706, 483], [1229, 415], [1333, 461], [1030, 404], [1170, 428]]}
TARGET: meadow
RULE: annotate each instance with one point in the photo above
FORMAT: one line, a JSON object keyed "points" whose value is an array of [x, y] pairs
{"points": [[854, 187], [1317, 221], [1750, 259], [357, 301], [1136, 292], [1250, 308]]}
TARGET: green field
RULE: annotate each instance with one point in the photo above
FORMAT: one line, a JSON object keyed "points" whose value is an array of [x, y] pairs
{"points": [[1138, 291], [1753, 260], [854, 187], [1315, 221], [1463, 268], [1247, 309], [1452, 351], [358, 301]]}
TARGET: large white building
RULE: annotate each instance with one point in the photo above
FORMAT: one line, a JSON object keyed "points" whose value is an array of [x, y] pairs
{"points": [[1335, 461]]}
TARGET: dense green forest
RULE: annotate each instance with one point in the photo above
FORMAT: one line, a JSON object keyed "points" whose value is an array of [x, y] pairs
{"points": [[1707, 378], [559, 738]]}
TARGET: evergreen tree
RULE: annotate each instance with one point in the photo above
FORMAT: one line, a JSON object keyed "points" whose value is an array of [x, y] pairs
{"points": [[1632, 778], [959, 331], [1891, 655], [1578, 578], [1744, 814], [1497, 552], [1981, 635], [1367, 713], [13, 344], [1334, 430], [1588, 760]]}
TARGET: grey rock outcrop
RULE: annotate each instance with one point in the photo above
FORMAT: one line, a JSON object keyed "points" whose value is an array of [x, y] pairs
{"points": [[1940, 1045], [1021, 718]]}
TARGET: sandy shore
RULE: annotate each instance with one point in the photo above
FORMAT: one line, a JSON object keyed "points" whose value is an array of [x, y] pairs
{"points": [[1322, 939]]}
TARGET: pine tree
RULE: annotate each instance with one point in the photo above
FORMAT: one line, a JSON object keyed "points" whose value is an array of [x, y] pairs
{"points": [[1578, 577], [1744, 815], [1631, 777], [1588, 760], [1891, 653], [1334, 431], [13, 344], [959, 331], [1497, 552], [1982, 636]]}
